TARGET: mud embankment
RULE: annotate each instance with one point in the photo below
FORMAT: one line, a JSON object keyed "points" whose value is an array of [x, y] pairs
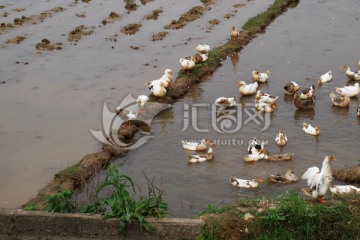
{"points": [[75, 177]]}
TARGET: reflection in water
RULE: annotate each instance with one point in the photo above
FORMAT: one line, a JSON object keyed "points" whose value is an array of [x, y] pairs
{"points": [[340, 110], [288, 98], [165, 117], [195, 93], [235, 60], [302, 114]]}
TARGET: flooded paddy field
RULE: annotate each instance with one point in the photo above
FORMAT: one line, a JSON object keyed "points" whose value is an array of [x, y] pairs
{"points": [[50, 104]]}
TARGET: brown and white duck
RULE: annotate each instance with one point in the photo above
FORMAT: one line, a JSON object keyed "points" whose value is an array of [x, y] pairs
{"points": [[289, 177], [304, 104], [291, 87], [339, 101]]}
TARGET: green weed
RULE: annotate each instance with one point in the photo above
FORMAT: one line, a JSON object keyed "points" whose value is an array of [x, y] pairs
{"points": [[60, 202], [121, 204]]}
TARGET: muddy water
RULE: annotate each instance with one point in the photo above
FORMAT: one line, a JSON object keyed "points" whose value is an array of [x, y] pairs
{"points": [[48, 105], [293, 48]]}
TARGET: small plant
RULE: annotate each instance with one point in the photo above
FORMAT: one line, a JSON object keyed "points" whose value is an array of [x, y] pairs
{"points": [[60, 202], [121, 204], [214, 208], [207, 235], [31, 207]]}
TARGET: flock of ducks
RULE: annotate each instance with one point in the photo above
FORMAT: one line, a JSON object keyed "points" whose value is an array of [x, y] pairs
{"points": [[318, 180]]}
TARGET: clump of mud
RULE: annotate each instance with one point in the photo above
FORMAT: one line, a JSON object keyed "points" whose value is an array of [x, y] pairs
{"points": [[131, 28], [144, 2], [193, 14], [240, 5], [76, 34], [207, 2], [5, 14], [350, 174], [4, 27], [16, 40], [80, 15], [2, 6], [214, 22], [159, 36], [113, 16], [34, 19], [21, 21], [229, 15], [130, 5], [45, 45], [19, 9], [154, 15]]}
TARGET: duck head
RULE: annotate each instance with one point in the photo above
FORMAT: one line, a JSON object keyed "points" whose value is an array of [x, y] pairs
{"points": [[257, 179], [241, 83], [331, 158]]}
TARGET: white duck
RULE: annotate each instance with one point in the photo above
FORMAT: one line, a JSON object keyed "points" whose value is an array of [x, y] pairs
{"points": [[202, 48], [126, 116], [234, 33], [350, 91], [159, 90], [248, 89], [187, 64], [291, 87], [325, 78], [257, 76], [289, 177], [141, 101], [281, 139], [226, 102], [195, 146], [202, 157], [350, 74], [166, 79], [254, 157], [339, 101], [318, 180], [341, 189], [308, 93], [242, 183], [264, 97], [265, 107], [310, 129]]}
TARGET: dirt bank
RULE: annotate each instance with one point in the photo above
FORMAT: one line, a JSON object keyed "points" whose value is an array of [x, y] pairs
{"points": [[74, 177], [349, 174]]}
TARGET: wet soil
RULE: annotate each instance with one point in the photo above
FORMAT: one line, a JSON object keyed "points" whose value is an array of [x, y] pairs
{"points": [[113, 16], [46, 45], [80, 31], [159, 36], [190, 16], [16, 40], [154, 15], [131, 28], [348, 174], [33, 19]]}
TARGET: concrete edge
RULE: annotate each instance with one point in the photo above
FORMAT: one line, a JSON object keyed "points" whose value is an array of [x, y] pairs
{"points": [[20, 224]]}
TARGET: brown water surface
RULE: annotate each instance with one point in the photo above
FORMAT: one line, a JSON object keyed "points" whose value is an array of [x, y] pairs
{"points": [[49, 104]]}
